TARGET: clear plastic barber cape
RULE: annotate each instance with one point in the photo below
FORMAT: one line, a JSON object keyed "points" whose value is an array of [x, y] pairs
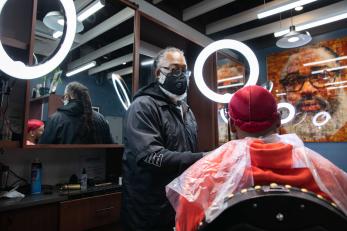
{"points": [[231, 174]]}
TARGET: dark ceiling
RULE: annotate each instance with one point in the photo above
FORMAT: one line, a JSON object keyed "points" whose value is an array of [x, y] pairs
{"points": [[175, 8]]}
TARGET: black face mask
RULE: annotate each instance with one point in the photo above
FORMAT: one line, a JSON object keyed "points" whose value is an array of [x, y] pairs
{"points": [[175, 84]]}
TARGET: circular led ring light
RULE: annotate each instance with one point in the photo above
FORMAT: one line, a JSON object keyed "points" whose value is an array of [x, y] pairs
{"points": [[222, 115], [291, 112], [116, 79], [19, 70], [322, 113], [218, 45]]}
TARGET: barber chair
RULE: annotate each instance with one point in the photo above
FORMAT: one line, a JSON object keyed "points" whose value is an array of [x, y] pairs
{"points": [[277, 207]]}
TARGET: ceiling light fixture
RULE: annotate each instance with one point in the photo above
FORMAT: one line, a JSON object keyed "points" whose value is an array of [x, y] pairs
{"points": [[298, 8], [19, 70], [81, 68], [325, 61], [89, 10], [218, 45], [328, 69], [294, 39], [55, 20], [147, 63], [231, 78], [231, 85], [314, 24], [57, 34], [284, 7]]}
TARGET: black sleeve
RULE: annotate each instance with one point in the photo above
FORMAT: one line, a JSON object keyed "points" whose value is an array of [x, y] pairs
{"points": [[144, 138], [49, 135]]}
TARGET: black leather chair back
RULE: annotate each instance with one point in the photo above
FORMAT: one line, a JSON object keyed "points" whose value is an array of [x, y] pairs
{"points": [[277, 208]]}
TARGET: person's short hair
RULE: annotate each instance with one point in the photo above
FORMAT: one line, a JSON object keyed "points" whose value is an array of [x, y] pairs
{"points": [[161, 55], [253, 109]]}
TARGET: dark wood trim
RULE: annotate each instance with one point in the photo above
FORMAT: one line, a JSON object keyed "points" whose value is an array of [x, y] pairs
{"points": [[30, 62], [130, 4], [169, 28], [9, 144], [214, 117], [136, 52], [74, 146], [32, 35], [14, 43]]}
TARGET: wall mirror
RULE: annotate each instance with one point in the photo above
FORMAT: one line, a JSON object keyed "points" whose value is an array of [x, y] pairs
{"points": [[231, 76], [103, 47]]}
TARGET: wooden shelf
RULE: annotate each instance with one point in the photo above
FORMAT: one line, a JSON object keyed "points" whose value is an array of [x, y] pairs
{"points": [[9, 144], [14, 43], [41, 98]]}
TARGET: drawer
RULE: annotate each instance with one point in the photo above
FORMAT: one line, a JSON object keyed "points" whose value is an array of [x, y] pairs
{"points": [[38, 218], [91, 212]]}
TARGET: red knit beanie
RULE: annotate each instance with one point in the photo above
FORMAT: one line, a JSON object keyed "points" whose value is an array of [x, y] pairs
{"points": [[253, 109], [34, 124]]}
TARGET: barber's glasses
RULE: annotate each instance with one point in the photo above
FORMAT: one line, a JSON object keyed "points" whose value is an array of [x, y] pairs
{"points": [[176, 72], [294, 81]]}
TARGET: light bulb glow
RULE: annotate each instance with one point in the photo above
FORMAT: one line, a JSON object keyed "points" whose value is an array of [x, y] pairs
{"points": [[81, 68], [116, 80], [289, 6], [291, 114], [218, 45], [20, 70], [92, 9], [326, 115], [293, 39]]}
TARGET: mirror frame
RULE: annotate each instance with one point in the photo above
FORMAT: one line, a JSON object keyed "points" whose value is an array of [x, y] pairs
{"points": [[135, 81]]}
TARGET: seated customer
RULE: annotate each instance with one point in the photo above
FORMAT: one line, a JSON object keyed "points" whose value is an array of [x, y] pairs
{"points": [[259, 157], [76, 122], [35, 129]]}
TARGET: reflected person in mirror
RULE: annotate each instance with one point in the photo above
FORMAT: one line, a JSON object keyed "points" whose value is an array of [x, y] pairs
{"points": [[35, 130], [160, 143], [75, 122]]}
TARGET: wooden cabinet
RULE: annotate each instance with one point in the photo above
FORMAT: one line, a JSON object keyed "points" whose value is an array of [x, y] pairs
{"points": [[92, 212], [38, 218]]}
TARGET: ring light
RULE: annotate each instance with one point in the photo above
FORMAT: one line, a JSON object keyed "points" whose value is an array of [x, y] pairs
{"points": [[322, 113], [218, 45], [19, 70], [291, 112], [222, 115], [118, 81]]}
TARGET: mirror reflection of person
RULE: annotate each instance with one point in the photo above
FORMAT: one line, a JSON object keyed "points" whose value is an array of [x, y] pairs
{"points": [[35, 130], [76, 122], [160, 143], [259, 156], [311, 92]]}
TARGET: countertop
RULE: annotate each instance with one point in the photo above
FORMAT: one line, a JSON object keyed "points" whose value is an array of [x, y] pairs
{"points": [[54, 197]]}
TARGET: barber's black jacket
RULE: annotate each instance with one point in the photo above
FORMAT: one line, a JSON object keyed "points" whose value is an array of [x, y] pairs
{"points": [[64, 126], [159, 145]]}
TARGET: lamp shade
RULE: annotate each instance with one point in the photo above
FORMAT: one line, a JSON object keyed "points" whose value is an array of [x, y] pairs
{"points": [[55, 21], [294, 39]]}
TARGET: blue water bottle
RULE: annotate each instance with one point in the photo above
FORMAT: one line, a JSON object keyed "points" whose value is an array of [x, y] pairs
{"points": [[36, 175]]}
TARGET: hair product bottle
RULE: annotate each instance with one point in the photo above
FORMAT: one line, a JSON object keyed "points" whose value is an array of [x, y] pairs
{"points": [[36, 175]]}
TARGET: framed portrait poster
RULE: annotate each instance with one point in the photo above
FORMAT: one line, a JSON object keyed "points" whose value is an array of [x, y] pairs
{"points": [[314, 80]]}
